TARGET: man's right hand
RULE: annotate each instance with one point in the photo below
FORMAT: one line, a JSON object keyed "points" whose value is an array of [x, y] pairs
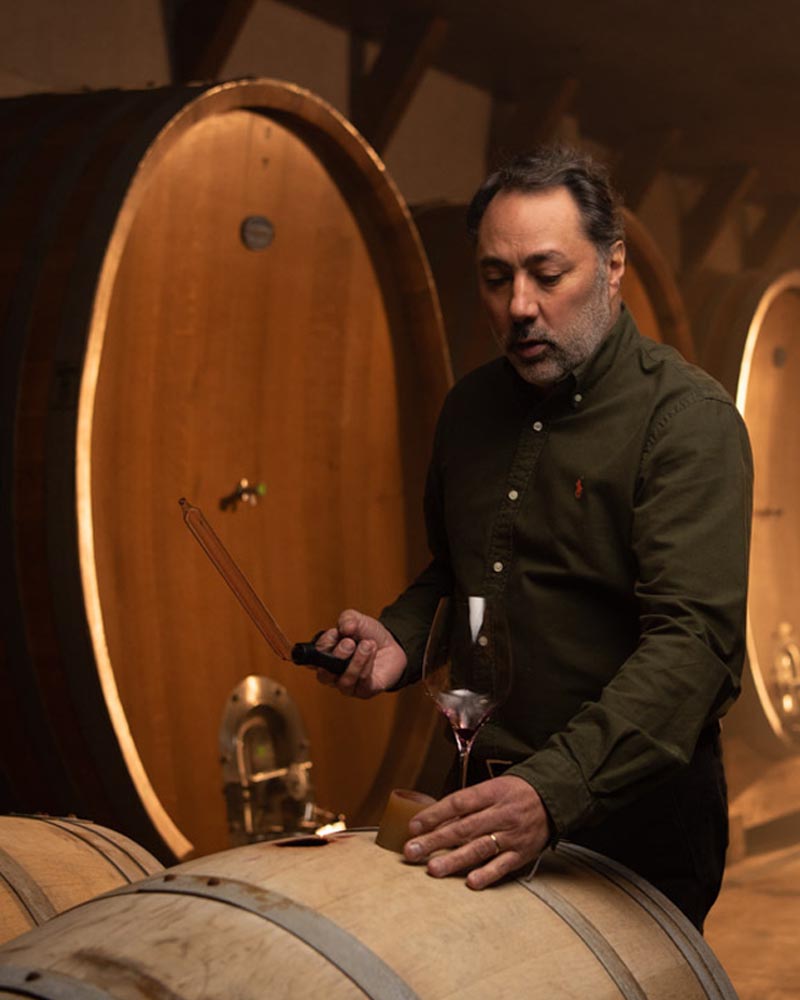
{"points": [[378, 659]]}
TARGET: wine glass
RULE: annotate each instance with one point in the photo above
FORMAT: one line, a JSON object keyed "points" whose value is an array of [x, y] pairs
{"points": [[467, 666]]}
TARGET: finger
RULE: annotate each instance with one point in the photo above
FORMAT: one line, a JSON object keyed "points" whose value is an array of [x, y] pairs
{"points": [[333, 642], [462, 804], [327, 640], [443, 811], [493, 871], [360, 666], [348, 623], [484, 858], [341, 648], [480, 859], [452, 834], [476, 851]]}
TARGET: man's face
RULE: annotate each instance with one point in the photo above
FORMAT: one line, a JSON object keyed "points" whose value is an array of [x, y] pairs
{"points": [[550, 296]]}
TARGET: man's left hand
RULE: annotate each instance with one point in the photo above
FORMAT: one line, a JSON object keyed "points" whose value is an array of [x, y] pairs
{"points": [[493, 828]]}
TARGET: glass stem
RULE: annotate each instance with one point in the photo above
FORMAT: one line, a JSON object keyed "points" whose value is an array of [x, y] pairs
{"points": [[465, 764]]}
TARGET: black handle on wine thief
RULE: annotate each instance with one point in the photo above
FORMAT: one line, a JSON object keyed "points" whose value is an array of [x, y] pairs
{"points": [[306, 654]]}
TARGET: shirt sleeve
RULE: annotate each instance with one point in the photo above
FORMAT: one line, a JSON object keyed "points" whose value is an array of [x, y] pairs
{"points": [[690, 538]]}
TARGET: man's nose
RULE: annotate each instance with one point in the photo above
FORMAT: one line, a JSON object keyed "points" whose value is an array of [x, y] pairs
{"points": [[523, 303]]}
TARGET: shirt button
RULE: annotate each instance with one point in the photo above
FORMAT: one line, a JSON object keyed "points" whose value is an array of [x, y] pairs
{"points": [[577, 398], [498, 567], [513, 495], [538, 425]]}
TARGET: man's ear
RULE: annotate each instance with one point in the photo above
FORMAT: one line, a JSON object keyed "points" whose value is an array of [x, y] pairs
{"points": [[615, 265]]}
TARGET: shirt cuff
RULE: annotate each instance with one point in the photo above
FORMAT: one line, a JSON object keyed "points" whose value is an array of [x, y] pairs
{"points": [[560, 784]]}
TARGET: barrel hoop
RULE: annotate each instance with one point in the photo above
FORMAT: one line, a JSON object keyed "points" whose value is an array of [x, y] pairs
{"points": [[94, 836], [606, 955], [366, 969], [675, 924], [44, 984], [88, 841], [25, 888]]}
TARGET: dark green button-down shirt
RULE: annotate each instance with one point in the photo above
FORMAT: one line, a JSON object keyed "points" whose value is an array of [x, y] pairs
{"points": [[614, 517]]}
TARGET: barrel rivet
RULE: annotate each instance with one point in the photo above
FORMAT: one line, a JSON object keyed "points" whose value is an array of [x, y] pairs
{"points": [[257, 232]]}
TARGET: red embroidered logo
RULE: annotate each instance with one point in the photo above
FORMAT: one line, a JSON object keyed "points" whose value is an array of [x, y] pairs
{"points": [[578, 488]]}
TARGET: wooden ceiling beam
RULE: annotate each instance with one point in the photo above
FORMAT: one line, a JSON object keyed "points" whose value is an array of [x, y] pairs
{"points": [[518, 126], [701, 226], [782, 213], [203, 33], [641, 159], [380, 99]]}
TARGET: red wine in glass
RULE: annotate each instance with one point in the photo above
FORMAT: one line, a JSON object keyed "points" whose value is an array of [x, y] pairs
{"points": [[467, 666]]}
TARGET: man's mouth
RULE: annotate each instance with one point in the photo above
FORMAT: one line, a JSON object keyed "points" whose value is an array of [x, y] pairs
{"points": [[528, 346], [530, 349]]}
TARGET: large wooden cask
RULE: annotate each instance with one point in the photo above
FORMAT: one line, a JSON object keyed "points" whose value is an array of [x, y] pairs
{"points": [[50, 864], [752, 336], [200, 285], [349, 919], [649, 288]]}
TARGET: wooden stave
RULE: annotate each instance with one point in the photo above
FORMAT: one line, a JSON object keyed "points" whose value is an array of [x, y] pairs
{"points": [[106, 790]]}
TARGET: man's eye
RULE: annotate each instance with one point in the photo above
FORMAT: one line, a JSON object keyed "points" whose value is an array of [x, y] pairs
{"points": [[548, 280], [495, 280]]}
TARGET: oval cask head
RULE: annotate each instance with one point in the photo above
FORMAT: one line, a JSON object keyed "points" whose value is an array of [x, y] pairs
{"points": [[223, 354], [750, 321], [768, 377]]}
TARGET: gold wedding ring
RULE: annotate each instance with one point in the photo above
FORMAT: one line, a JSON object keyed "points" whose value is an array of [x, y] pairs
{"points": [[496, 843]]}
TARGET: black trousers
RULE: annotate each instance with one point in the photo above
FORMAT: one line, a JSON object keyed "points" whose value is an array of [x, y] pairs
{"points": [[675, 836]]}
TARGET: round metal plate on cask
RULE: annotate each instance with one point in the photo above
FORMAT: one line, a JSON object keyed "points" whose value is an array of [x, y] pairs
{"points": [[155, 347], [351, 920], [753, 347], [49, 864], [649, 288]]}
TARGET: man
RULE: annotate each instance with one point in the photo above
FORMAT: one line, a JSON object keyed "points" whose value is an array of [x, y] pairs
{"points": [[602, 487]]}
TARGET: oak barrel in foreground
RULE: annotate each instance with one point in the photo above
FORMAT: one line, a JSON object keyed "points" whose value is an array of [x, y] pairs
{"points": [[349, 919]]}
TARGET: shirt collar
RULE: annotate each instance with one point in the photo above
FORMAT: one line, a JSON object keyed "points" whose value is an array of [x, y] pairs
{"points": [[618, 339]]}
